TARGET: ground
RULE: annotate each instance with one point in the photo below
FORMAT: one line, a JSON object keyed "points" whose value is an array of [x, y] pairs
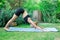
{"points": [[4, 35]]}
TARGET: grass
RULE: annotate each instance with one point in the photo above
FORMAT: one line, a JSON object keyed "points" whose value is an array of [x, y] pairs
{"points": [[4, 35]]}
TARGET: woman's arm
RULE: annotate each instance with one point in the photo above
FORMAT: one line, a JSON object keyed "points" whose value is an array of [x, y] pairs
{"points": [[32, 23]]}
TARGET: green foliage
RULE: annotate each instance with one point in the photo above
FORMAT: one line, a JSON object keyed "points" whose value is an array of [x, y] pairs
{"points": [[15, 3], [4, 13], [30, 5], [49, 9], [2, 2], [19, 20], [5, 16]]}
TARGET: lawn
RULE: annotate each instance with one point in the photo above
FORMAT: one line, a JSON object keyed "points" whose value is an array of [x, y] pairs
{"points": [[4, 35]]}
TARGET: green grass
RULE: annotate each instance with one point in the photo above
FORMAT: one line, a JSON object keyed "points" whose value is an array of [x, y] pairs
{"points": [[4, 35]]}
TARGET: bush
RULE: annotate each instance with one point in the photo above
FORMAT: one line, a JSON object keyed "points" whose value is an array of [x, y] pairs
{"points": [[49, 8], [6, 15]]}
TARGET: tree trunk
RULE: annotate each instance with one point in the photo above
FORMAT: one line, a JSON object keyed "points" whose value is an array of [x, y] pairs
{"points": [[37, 15]]}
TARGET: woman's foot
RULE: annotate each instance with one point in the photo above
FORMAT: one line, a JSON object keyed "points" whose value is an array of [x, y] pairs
{"points": [[6, 28]]}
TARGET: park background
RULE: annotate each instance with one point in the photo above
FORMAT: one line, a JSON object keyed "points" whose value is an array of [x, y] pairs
{"points": [[45, 12]]}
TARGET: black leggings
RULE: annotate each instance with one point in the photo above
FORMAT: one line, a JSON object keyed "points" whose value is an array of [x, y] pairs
{"points": [[19, 11]]}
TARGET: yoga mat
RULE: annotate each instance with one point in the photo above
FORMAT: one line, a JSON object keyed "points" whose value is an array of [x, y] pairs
{"points": [[32, 29]]}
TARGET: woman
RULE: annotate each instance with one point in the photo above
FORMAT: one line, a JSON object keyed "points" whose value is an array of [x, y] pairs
{"points": [[25, 16]]}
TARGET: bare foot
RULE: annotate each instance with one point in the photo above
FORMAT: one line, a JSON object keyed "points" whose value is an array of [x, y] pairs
{"points": [[6, 28]]}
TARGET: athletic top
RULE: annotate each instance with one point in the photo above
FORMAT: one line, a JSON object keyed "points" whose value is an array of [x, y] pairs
{"points": [[26, 19], [19, 11]]}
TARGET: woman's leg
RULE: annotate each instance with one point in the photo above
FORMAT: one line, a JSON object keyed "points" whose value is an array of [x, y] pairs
{"points": [[33, 24], [10, 21]]}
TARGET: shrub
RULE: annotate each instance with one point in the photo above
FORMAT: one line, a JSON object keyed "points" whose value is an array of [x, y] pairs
{"points": [[49, 8], [6, 15]]}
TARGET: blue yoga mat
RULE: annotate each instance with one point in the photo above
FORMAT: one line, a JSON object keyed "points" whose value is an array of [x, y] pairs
{"points": [[31, 29]]}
